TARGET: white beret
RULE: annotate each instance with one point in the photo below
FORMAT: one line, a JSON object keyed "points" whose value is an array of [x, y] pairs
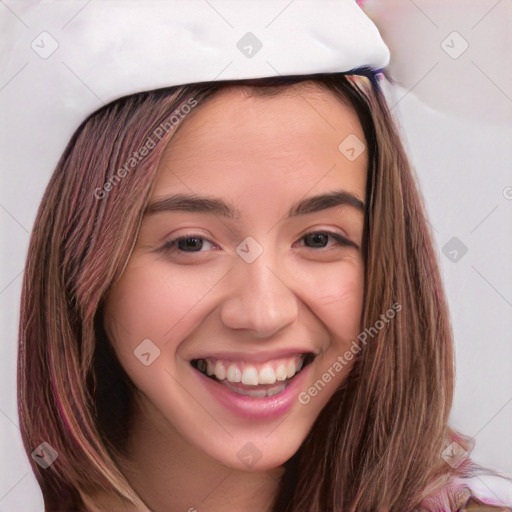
{"points": [[72, 57]]}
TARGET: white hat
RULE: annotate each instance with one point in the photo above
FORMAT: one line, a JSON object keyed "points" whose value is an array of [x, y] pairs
{"points": [[70, 58]]}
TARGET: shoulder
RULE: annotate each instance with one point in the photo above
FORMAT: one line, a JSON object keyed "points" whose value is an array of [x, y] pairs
{"points": [[485, 492], [479, 492]]}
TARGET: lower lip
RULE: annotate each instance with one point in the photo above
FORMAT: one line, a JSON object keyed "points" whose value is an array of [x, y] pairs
{"points": [[256, 408]]}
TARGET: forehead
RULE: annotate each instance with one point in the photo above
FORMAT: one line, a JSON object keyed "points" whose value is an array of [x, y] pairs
{"points": [[290, 137], [260, 114]]}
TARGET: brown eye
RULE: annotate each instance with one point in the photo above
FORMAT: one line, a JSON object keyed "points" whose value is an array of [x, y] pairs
{"points": [[320, 239], [190, 244], [316, 240], [186, 244]]}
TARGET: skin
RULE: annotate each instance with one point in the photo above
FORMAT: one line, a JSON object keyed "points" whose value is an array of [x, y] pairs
{"points": [[262, 154]]}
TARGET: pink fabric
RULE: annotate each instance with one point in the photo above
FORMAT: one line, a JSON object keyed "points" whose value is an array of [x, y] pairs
{"points": [[451, 494]]}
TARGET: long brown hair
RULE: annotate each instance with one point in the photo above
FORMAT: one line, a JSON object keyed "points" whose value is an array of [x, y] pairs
{"points": [[377, 443]]}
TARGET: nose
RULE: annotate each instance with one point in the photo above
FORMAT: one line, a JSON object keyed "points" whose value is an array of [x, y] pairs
{"points": [[259, 299]]}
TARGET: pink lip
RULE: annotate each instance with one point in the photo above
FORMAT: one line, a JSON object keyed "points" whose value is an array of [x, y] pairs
{"points": [[255, 408]]}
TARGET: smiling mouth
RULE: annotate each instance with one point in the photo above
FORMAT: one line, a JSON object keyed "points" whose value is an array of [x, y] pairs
{"points": [[254, 380]]}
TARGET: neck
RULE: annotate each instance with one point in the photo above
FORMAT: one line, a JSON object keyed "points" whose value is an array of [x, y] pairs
{"points": [[171, 475]]}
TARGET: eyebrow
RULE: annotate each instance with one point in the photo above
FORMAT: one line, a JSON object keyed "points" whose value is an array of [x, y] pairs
{"points": [[195, 203]]}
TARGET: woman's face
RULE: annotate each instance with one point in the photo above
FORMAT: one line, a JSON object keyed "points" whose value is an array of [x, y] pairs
{"points": [[247, 265]]}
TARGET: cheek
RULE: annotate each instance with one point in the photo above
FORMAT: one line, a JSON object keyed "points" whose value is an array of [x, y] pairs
{"points": [[146, 306], [152, 302], [336, 297], [337, 300]]}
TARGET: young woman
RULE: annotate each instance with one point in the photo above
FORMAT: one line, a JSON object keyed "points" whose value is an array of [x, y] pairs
{"points": [[231, 301]]}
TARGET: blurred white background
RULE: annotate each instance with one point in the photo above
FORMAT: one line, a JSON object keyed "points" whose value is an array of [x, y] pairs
{"points": [[453, 101]]}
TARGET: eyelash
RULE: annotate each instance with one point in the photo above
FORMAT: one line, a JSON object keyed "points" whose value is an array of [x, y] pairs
{"points": [[170, 245]]}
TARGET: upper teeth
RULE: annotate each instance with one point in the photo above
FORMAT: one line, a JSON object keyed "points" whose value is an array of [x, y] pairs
{"points": [[252, 374]]}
